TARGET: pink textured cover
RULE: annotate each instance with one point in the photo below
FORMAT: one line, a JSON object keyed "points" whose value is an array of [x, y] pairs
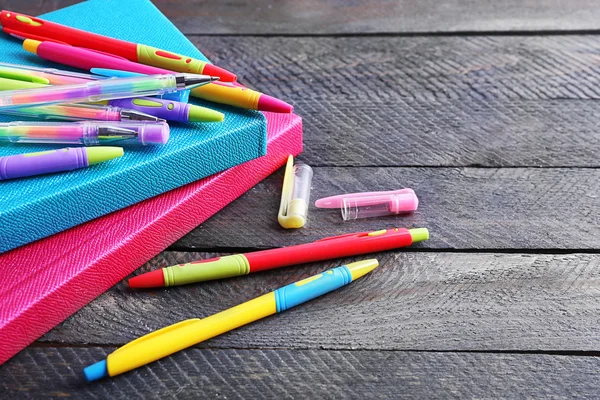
{"points": [[44, 282]]}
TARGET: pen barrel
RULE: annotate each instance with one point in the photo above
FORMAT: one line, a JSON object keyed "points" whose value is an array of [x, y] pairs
{"points": [[42, 132], [167, 60], [86, 59], [66, 112], [35, 28], [228, 93], [160, 108], [94, 91], [171, 339], [45, 162], [302, 291], [328, 249], [206, 270]]}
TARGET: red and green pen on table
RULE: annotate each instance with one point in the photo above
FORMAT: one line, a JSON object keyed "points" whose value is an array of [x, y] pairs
{"points": [[242, 264]]}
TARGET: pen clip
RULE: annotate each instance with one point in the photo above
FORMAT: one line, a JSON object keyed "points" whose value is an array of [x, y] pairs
{"points": [[347, 235], [366, 234], [154, 335]]}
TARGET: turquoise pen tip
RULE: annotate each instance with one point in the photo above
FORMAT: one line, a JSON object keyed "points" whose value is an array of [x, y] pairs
{"points": [[96, 371]]}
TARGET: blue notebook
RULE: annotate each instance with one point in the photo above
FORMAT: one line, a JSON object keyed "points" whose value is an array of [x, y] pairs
{"points": [[36, 207]]}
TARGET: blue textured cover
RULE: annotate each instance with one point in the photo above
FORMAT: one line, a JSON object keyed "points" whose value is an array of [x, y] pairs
{"points": [[37, 207]]}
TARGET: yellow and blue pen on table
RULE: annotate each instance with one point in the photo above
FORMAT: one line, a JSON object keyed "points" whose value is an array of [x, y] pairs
{"points": [[173, 338]]}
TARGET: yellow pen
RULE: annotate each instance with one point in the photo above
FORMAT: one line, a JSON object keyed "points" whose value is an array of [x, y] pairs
{"points": [[171, 339]]}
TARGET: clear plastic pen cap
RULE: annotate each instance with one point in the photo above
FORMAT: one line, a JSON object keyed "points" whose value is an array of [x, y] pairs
{"points": [[295, 195], [355, 207]]}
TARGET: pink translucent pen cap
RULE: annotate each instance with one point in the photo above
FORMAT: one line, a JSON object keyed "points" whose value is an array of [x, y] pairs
{"points": [[379, 205], [336, 201]]}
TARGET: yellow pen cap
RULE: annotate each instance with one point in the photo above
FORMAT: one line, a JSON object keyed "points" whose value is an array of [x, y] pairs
{"points": [[295, 195]]}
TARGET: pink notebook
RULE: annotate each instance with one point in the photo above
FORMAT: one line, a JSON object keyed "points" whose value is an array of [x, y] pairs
{"points": [[44, 282]]}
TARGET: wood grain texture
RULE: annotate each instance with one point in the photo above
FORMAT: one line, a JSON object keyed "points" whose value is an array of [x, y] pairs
{"points": [[378, 16], [464, 208], [412, 301], [35, 7], [311, 17], [430, 101], [290, 374]]}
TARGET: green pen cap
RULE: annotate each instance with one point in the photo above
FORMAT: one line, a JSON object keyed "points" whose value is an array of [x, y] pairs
{"points": [[203, 114], [100, 154], [419, 234]]}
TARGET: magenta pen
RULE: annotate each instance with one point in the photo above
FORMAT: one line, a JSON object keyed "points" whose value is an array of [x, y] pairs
{"points": [[85, 132], [46, 162]]}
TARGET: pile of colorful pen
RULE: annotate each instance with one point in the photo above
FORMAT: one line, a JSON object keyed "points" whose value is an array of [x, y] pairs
{"points": [[132, 91]]}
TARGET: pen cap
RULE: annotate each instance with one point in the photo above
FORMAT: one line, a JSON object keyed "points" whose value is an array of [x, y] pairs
{"points": [[295, 195], [153, 132], [355, 207]]}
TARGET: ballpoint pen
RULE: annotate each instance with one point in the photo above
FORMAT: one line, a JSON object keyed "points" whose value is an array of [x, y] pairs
{"points": [[182, 96], [46, 162], [232, 94], [148, 108], [242, 264], [47, 76], [99, 90], [80, 112], [171, 339], [53, 76], [85, 132], [25, 26]]}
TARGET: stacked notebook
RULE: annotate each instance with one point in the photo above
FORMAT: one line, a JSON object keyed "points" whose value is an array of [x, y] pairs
{"points": [[45, 281]]}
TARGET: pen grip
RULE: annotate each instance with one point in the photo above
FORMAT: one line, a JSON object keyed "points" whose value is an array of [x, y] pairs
{"points": [[302, 291], [167, 60], [165, 109], [23, 165], [206, 270]]}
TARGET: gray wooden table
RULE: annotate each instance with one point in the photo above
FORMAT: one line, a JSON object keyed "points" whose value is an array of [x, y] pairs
{"points": [[489, 110]]}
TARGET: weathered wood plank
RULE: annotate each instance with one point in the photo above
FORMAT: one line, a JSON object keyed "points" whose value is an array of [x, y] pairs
{"points": [[36, 7], [430, 101], [413, 301], [373, 16], [464, 208], [290, 374], [378, 16]]}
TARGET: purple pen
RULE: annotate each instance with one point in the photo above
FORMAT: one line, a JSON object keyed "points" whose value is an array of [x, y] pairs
{"points": [[169, 110], [46, 162]]}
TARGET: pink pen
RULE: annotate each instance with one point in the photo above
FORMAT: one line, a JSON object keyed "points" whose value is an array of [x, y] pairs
{"points": [[371, 204]]}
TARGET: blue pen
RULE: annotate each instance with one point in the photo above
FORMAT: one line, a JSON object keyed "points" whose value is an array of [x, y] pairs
{"points": [[182, 96], [171, 339]]}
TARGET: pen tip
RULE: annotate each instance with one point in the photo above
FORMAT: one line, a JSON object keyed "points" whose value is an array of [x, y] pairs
{"points": [[191, 81], [150, 279], [96, 371], [213, 70], [361, 268], [269, 103]]}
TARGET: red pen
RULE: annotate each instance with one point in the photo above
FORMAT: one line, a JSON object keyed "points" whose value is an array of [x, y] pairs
{"points": [[241, 264], [27, 27]]}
